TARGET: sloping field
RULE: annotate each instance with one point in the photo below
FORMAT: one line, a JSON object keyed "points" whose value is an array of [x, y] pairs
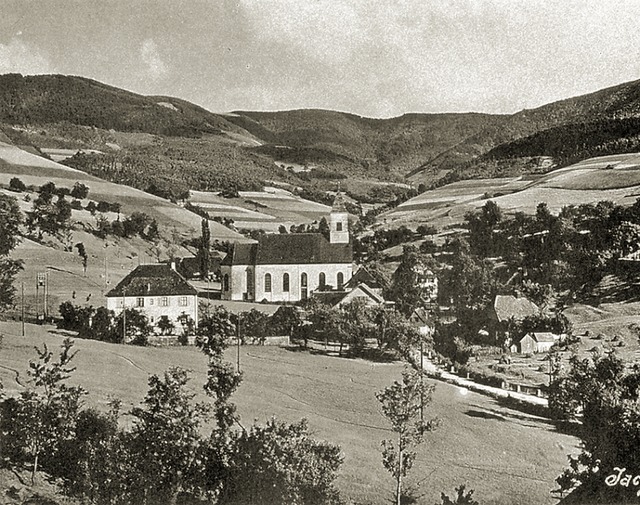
{"points": [[265, 210], [615, 178], [506, 456], [35, 170]]}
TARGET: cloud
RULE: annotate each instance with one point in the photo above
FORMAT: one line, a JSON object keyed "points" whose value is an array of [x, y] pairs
{"points": [[151, 58], [16, 56]]}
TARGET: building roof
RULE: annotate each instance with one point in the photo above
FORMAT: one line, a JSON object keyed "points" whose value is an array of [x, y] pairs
{"points": [[153, 280], [289, 249], [512, 307], [420, 315], [334, 298], [364, 275], [545, 336]]}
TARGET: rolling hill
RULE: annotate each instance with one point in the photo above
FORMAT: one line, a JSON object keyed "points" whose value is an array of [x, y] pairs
{"points": [[603, 122], [169, 146], [614, 177]]}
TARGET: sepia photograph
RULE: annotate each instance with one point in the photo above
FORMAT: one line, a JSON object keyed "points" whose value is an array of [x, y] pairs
{"points": [[319, 252]]}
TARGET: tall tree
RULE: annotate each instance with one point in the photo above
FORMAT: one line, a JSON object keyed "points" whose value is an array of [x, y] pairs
{"points": [[408, 288], [402, 405], [33, 424], [205, 249], [166, 439], [10, 220]]}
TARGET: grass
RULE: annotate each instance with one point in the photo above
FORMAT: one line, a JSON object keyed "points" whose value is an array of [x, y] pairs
{"points": [[506, 456], [261, 209], [585, 182], [35, 170]]}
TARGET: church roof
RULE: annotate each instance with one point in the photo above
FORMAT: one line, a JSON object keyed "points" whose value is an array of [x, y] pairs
{"points": [[153, 280], [289, 249]]}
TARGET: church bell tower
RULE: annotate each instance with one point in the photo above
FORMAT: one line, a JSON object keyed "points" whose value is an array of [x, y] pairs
{"points": [[339, 221]]}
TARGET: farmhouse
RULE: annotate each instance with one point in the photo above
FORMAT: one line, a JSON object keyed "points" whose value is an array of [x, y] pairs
{"points": [[290, 267], [155, 290], [537, 341]]}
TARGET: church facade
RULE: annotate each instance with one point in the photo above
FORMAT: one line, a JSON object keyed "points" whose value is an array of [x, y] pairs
{"points": [[290, 267]]}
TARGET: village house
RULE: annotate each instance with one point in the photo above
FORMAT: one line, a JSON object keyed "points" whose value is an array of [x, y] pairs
{"points": [[509, 309], [536, 342], [156, 290], [361, 292], [290, 267]]}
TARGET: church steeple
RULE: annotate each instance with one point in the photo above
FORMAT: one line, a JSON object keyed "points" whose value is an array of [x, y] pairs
{"points": [[339, 221]]}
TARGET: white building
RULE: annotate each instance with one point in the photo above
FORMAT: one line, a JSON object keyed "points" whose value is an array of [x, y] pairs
{"points": [[290, 267], [156, 291]]}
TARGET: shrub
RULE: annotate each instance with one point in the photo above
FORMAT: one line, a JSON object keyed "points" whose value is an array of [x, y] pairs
{"points": [[17, 185]]}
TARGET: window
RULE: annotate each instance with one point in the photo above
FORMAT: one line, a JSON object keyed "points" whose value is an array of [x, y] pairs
{"points": [[164, 301], [285, 283], [139, 302], [226, 282], [267, 283], [340, 279], [303, 286], [150, 301], [183, 301], [249, 281], [339, 226], [322, 281], [152, 320]]}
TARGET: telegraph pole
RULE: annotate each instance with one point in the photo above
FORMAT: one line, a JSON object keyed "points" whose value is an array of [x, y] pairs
{"points": [[46, 294], [238, 341], [421, 381], [22, 309], [124, 317]]}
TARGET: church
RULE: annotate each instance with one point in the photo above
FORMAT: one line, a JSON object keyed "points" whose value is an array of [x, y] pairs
{"points": [[290, 267]]}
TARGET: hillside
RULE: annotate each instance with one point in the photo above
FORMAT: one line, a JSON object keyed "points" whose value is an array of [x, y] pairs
{"points": [[505, 455], [569, 130], [394, 145], [615, 178], [169, 146]]}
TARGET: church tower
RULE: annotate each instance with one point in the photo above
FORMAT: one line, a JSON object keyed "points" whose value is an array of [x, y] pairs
{"points": [[339, 221]]}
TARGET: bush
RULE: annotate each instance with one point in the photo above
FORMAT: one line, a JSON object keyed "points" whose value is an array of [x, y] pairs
{"points": [[17, 185], [91, 207], [79, 191]]}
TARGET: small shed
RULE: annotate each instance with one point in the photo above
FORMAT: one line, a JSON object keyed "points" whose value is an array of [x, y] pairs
{"points": [[537, 341]]}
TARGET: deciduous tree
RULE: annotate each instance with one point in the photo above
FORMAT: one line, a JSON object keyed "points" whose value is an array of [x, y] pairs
{"points": [[402, 404]]}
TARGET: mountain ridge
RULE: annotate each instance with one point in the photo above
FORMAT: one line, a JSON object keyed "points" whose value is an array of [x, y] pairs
{"points": [[430, 148]]}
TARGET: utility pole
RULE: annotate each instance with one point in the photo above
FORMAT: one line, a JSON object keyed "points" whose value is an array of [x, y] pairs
{"points": [[238, 340], [22, 309], [124, 317], [421, 381], [46, 294]]}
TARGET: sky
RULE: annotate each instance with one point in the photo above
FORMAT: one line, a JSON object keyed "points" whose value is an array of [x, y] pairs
{"points": [[377, 58]]}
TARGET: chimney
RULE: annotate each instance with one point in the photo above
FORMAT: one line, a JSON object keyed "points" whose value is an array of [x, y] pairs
{"points": [[148, 287], [173, 264]]}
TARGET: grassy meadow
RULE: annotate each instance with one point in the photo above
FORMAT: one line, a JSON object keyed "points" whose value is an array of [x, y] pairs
{"points": [[506, 456], [615, 178]]}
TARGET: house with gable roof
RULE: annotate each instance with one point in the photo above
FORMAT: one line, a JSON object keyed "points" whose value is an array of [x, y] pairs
{"points": [[156, 290], [537, 341], [290, 267]]}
